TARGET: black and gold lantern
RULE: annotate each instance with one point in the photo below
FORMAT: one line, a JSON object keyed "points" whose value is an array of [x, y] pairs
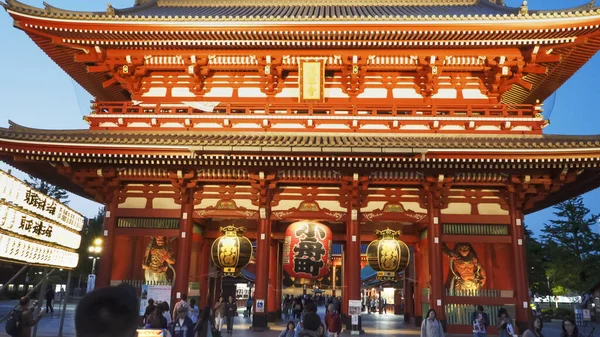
{"points": [[232, 251], [388, 255]]}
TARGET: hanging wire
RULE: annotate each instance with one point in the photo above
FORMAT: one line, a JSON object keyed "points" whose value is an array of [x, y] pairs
{"points": [[83, 98], [551, 101]]}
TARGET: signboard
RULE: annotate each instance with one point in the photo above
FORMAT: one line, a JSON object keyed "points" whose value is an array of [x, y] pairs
{"points": [[587, 315], [311, 79], [18, 222], [91, 283], [260, 305], [17, 193], [150, 333], [35, 228], [354, 307], [158, 293], [354, 319]]}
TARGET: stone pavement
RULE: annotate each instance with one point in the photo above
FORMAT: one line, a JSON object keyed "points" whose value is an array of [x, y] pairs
{"points": [[373, 325]]}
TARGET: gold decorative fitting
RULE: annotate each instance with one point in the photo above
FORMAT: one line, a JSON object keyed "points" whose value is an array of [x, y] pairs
{"points": [[388, 233], [231, 229]]}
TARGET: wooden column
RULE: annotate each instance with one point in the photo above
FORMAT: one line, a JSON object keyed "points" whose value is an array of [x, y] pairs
{"points": [[418, 286], [204, 268], [273, 302], [352, 261], [520, 264], [409, 303], [184, 245], [434, 235], [106, 259], [263, 247]]}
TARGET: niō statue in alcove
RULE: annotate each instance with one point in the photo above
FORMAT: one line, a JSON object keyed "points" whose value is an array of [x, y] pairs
{"points": [[468, 273], [157, 259]]}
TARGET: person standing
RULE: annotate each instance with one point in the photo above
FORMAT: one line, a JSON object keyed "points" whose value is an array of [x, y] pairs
{"points": [[182, 303], [182, 325], [231, 312], [149, 309], [193, 311], [480, 322], [249, 303], [333, 322], [535, 328], [569, 328], [166, 312], [219, 312], [431, 326], [50, 294], [24, 318], [505, 327]]}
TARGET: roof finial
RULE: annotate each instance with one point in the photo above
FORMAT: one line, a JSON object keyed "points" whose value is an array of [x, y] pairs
{"points": [[110, 11], [524, 10], [591, 5]]}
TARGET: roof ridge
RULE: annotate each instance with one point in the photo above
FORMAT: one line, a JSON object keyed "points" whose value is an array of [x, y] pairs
{"points": [[253, 3]]}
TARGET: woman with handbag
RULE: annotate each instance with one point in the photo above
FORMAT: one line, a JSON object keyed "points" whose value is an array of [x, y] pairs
{"points": [[505, 326]]}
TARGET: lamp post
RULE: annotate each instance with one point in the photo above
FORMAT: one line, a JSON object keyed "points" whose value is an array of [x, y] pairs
{"points": [[94, 250]]}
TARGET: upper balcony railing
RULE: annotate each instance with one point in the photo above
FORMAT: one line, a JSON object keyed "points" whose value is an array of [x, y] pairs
{"points": [[331, 117], [324, 109]]}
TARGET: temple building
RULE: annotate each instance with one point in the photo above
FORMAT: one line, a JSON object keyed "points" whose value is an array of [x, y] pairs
{"points": [[350, 117]]}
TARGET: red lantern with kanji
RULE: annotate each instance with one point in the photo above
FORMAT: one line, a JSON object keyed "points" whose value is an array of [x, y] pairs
{"points": [[307, 250]]}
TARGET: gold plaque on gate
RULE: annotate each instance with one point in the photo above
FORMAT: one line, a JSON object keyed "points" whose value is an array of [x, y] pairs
{"points": [[311, 79]]}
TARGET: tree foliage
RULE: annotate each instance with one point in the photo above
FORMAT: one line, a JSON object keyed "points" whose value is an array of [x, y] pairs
{"points": [[573, 249], [537, 264], [48, 189], [91, 231]]}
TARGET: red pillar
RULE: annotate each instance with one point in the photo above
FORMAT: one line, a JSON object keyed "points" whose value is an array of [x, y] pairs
{"points": [[418, 285], [106, 259], [273, 303], [184, 246], [352, 262], [518, 247], [204, 267], [434, 236], [409, 303], [263, 247]]}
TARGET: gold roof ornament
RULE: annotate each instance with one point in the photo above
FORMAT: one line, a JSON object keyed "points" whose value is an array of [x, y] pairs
{"points": [[110, 11], [524, 10]]}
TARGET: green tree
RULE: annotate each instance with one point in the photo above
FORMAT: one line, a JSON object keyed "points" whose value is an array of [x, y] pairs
{"points": [[572, 248], [91, 231], [48, 189], [537, 264]]}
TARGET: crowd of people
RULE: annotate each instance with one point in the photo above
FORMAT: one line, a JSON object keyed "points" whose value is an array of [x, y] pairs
{"points": [[113, 311], [432, 327]]}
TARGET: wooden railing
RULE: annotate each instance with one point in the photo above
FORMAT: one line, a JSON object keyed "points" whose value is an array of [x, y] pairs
{"points": [[475, 229], [148, 223], [474, 293], [461, 314], [324, 109]]}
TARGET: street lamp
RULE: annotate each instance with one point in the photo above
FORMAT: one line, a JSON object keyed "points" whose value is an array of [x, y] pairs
{"points": [[95, 251]]}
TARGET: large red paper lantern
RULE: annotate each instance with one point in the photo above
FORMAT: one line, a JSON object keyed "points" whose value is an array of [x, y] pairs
{"points": [[307, 250]]}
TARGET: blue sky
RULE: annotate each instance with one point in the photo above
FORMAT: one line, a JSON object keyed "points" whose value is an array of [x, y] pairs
{"points": [[37, 93]]}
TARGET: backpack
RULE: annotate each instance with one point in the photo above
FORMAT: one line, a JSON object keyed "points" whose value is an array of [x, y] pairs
{"points": [[13, 324]]}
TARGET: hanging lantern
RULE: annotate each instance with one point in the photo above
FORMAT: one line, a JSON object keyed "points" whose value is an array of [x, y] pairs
{"points": [[232, 251], [388, 255], [307, 251]]}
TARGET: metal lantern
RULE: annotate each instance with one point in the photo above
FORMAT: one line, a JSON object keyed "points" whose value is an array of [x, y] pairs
{"points": [[307, 251], [388, 255], [231, 251]]}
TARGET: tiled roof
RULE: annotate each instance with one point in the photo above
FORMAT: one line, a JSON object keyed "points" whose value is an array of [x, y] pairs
{"points": [[249, 141], [326, 10], [289, 10]]}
